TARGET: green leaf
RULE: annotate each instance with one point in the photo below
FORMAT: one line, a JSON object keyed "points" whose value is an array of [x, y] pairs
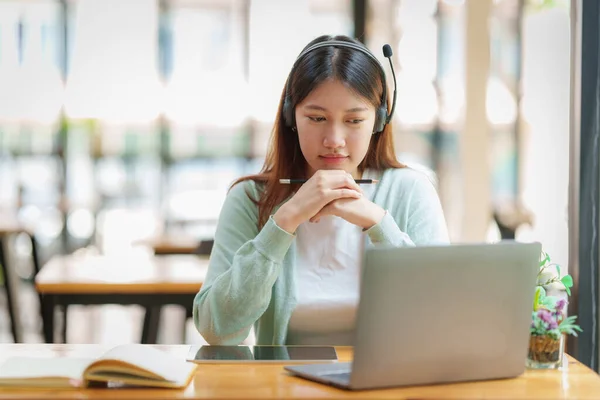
{"points": [[548, 302], [569, 320], [545, 259], [540, 294], [557, 269], [567, 280]]}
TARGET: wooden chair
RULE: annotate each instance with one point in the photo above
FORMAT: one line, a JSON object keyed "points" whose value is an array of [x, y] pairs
{"points": [[9, 228]]}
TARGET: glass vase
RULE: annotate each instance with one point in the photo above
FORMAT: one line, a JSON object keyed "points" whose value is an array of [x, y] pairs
{"points": [[545, 352]]}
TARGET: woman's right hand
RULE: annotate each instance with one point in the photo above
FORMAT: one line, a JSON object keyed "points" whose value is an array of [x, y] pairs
{"points": [[322, 188]]}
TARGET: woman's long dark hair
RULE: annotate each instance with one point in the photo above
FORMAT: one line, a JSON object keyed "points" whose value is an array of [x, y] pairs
{"points": [[284, 158]]}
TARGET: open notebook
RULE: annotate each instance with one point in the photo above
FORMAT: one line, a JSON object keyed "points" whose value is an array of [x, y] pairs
{"points": [[130, 364]]}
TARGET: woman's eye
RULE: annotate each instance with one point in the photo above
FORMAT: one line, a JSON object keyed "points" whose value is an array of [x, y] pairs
{"points": [[317, 119], [356, 121]]}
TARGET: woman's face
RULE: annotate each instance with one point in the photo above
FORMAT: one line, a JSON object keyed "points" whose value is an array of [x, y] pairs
{"points": [[334, 128]]}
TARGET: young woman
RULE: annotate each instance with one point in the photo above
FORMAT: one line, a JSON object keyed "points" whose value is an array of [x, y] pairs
{"points": [[286, 257]]}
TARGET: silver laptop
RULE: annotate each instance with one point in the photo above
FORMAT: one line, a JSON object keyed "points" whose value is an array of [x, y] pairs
{"points": [[443, 314]]}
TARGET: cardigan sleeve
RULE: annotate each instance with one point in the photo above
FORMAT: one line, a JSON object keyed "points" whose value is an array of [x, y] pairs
{"points": [[415, 216], [244, 265]]}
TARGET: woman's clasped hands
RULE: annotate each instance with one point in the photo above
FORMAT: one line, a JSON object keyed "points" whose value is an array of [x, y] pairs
{"points": [[328, 192]]}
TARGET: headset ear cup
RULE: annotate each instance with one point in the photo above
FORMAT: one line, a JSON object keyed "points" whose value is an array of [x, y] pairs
{"points": [[380, 119]]}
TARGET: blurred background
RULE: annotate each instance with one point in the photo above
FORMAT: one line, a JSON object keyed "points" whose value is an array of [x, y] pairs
{"points": [[127, 120]]}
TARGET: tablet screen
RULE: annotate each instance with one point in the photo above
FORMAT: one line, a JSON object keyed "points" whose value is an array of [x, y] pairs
{"points": [[262, 354]]}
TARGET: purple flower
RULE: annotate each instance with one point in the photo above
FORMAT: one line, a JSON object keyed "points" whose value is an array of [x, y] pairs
{"points": [[545, 315], [552, 325], [560, 305]]}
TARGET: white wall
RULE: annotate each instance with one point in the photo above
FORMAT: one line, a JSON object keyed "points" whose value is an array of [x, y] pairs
{"points": [[546, 103]]}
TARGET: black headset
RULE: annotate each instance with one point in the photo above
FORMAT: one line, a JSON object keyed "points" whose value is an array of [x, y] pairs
{"points": [[382, 118]]}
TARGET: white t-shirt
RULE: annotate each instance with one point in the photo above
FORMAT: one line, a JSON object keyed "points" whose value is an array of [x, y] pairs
{"points": [[328, 268]]}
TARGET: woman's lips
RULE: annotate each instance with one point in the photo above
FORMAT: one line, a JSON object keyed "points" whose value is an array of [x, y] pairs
{"points": [[333, 159]]}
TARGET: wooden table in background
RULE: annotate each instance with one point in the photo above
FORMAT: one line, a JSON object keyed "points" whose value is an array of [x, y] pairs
{"points": [[262, 381], [171, 244], [149, 281]]}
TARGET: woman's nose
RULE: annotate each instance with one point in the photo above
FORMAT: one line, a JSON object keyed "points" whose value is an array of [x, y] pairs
{"points": [[334, 137]]}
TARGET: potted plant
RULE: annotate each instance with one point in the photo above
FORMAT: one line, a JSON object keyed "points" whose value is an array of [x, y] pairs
{"points": [[549, 323]]}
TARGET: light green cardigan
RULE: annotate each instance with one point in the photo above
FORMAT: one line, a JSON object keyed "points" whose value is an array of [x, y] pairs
{"points": [[250, 279]]}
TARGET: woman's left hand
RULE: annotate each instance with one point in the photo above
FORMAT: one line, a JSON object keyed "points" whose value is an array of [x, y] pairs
{"points": [[358, 211]]}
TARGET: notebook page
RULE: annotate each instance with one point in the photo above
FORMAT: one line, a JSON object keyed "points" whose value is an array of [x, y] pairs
{"points": [[169, 367], [43, 367]]}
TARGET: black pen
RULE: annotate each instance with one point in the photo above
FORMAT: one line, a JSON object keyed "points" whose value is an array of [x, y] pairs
{"points": [[293, 181]]}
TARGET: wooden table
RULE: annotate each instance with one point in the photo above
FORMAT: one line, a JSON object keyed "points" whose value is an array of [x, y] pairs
{"points": [[227, 381], [149, 281], [171, 244]]}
